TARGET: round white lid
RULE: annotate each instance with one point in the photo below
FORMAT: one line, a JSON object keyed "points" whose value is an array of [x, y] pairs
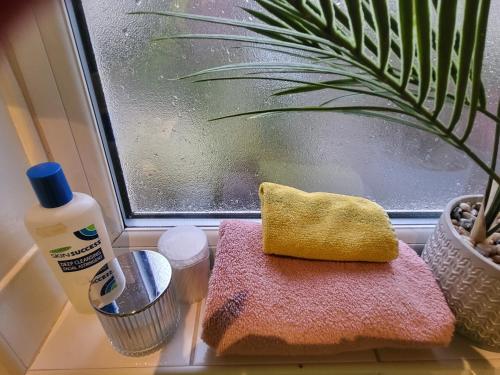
{"points": [[184, 245]]}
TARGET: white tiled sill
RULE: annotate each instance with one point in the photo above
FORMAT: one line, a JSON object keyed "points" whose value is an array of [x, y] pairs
{"points": [[77, 345]]}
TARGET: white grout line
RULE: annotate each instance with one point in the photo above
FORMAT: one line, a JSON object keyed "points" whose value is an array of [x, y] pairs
{"points": [[9, 276], [4, 283], [12, 359], [194, 341]]}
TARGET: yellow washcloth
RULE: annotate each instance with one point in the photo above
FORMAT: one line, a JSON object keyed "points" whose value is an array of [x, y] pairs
{"points": [[324, 226]]}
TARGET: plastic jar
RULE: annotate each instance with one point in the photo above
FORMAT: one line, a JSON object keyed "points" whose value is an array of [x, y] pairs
{"points": [[186, 248]]}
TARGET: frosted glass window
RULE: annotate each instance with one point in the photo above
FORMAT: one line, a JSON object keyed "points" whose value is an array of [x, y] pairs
{"points": [[176, 162]]}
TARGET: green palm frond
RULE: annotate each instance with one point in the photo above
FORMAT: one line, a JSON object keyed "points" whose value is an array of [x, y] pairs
{"points": [[424, 59]]}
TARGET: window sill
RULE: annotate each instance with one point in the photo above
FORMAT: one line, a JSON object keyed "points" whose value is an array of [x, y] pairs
{"points": [[77, 345], [412, 231]]}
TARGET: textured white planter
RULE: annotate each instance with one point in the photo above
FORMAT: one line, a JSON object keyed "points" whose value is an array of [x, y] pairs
{"points": [[469, 281]]}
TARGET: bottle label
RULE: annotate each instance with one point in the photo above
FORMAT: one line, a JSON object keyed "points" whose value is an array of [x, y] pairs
{"points": [[72, 259], [81, 263], [107, 285]]}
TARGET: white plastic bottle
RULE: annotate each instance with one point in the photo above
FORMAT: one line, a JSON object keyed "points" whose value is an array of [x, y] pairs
{"points": [[69, 230]]}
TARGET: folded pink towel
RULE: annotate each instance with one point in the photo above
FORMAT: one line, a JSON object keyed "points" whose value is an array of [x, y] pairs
{"points": [[262, 304]]}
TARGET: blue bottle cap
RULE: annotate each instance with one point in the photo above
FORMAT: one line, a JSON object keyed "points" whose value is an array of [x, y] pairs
{"points": [[50, 184]]}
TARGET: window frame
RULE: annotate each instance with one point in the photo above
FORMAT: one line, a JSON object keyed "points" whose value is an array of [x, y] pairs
{"points": [[76, 136], [45, 62], [82, 44]]}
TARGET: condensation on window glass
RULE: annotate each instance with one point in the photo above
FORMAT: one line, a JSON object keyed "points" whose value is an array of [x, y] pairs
{"points": [[175, 161]]}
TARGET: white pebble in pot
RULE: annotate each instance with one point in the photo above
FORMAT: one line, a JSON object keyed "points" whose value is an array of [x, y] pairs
{"points": [[186, 248]]}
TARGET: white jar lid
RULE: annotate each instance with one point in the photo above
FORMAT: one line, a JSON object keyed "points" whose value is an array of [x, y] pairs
{"points": [[184, 245]]}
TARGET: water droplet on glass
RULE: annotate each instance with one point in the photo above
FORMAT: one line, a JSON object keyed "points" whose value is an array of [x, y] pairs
{"points": [[125, 31], [138, 2]]}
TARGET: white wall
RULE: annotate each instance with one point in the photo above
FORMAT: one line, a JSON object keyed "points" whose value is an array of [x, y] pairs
{"points": [[15, 194], [30, 298]]}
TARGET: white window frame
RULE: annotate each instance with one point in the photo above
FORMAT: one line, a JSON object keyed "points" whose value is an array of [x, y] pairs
{"points": [[48, 68]]}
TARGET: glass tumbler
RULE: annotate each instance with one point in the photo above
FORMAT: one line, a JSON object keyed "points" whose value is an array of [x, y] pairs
{"points": [[135, 301]]}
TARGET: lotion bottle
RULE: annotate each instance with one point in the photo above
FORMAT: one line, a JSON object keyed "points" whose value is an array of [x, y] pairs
{"points": [[69, 231]]}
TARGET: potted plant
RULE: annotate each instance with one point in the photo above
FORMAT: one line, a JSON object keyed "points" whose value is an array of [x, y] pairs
{"points": [[427, 74]]}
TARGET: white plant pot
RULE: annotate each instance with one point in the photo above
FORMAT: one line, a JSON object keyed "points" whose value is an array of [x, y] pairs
{"points": [[469, 281]]}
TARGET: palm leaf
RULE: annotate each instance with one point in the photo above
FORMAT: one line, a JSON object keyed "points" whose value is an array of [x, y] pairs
{"points": [[328, 11], [465, 58], [446, 23], [406, 32], [493, 206], [477, 63], [356, 20], [381, 14], [422, 26], [366, 111]]}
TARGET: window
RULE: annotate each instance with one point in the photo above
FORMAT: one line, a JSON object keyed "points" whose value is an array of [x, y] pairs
{"points": [[169, 161]]}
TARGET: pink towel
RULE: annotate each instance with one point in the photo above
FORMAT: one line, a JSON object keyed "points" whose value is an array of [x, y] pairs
{"points": [[262, 304]]}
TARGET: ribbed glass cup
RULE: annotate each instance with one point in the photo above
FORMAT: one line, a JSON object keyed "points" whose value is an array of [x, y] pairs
{"points": [[137, 308]]}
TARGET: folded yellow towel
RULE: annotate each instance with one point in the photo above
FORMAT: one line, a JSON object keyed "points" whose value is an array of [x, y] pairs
{"points": [[324, 226]]}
